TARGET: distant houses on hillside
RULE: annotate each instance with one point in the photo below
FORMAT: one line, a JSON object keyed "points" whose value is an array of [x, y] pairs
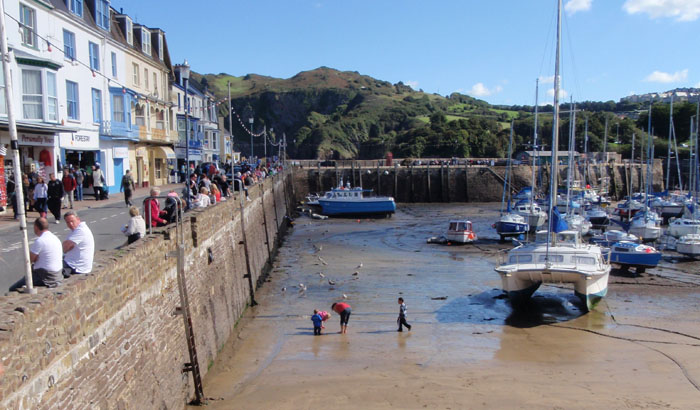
{"points": [[679, 94]]}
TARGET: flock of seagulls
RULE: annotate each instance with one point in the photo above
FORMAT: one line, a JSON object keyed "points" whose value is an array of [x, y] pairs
{"points": [[302, 287]]}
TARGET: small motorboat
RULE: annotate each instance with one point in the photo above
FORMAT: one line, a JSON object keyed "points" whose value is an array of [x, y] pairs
{"points": [[631, 254], [599, 217], [346, 201], [460, 231], [689, 245], [578, 222], [684, 226], [610, 237], [628, 208], [668, 209], [646, 226], [511, 225], [533, 214]]}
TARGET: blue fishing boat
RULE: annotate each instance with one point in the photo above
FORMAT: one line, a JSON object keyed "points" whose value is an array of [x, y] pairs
{"points": [[631, 254], [511, 225], [352, 201]]}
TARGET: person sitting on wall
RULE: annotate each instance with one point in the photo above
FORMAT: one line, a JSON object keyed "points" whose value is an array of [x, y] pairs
{"points": [[153, 211], [202, 200], [78, 248], [172, 203], [45, 255], [136, 229]]}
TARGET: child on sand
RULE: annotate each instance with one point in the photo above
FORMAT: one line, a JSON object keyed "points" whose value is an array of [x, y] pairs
{"points": [[317, 320], [402, 316], [324, 316]]}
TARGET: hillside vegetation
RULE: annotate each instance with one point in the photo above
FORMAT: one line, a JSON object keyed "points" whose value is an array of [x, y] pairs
{"points": [[326, 113]]}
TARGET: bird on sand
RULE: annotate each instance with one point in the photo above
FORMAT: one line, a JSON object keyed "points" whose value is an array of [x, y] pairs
{"points": [[284, 289], [330, 282], [359, 266], [356, 273], [345, 296], [322, 261], [321, 274]]}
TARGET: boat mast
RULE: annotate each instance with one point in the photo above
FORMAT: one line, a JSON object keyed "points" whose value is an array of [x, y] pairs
{"points": [[670, 131], [572, 141], [605, 158], [508, 164], [555, 129], [585, 151], [534, 145]]}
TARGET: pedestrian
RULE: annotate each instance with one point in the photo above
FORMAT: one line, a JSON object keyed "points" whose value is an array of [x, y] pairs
{"points": [[202, 200], [55, 197], [79, 180], [216, 194], [45, 255], [41, 191], [402, 316], [127, 186], [344, 310], [78, 248], [10, 189], [69, 185], [136, 228], [154, 214], [98, 181], [318, 321]]}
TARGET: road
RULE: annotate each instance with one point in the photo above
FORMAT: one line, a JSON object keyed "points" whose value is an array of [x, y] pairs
{"points": [[104, 221]]}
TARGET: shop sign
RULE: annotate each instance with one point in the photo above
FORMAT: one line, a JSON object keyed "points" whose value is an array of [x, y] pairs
{"points": [[79, 141], [121, 152], [36, 140], [195, 153], [141, 152]]}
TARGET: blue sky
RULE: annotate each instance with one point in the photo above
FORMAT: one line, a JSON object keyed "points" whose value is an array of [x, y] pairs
{"points": [[490, 49]]}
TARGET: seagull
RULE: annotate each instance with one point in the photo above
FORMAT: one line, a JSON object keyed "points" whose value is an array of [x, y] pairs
{"points": [[359, 266], [320, 248], [345, 296], [356, 273], [322, 261], [284, 289], [330, 282], [321, 274]]}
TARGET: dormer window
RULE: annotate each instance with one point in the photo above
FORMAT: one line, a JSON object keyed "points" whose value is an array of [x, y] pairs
{"points": [[145, 41], [102, 13], [160, 46], [129, 32], [75, 7]]}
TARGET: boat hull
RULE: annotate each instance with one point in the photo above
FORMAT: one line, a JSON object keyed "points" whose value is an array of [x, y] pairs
{"points": [[509, 229], [646, 233], [688, 249], [461, 236], [647, 260], [361, 207]]}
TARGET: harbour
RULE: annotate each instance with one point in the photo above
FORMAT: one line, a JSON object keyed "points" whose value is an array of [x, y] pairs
{"points": [[468, 348]]}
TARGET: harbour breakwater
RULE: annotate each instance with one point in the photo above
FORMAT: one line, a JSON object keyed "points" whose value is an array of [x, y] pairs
{"points": [[115, 338], [475, 183]]}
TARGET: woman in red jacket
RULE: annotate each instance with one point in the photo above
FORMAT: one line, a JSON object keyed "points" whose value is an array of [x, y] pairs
{"points": [[343, 309], [153, 210]]}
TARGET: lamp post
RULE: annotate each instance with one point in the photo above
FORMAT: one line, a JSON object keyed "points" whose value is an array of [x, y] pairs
{"points": [[185, 75], [250, 120]]}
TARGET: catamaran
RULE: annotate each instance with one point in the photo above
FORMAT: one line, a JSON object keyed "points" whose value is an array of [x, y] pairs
{"points": [[560, 256]]}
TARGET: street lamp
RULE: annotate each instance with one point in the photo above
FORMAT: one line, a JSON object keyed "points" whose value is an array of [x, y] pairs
{"points": [[250, 120], [185, 75]]}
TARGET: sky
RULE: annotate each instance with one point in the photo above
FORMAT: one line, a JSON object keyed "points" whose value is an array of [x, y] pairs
{"points": [[494, 50]]}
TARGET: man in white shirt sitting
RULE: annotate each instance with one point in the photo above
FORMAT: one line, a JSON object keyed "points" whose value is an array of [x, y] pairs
{"points": [[45, 255], [79, 247]]}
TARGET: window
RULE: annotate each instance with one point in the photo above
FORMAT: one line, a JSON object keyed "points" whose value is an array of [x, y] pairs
{"points": [[160, 46], [118, 108], [155, 82], [72, 100], [96, 106], [114, 65], [140, 115], [32, 95], [145, 41], [94, 56], [160, 119], [129, 32], [102, 13], [52, 96], [145, 78], [3, 104], [159, 168], [76, 7], [27, 19], [68, 45], [214, 140], [178, 101], [137, 81]]}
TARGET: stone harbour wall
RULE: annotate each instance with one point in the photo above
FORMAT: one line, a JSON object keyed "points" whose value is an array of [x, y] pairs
{"points": [[114, 338]]}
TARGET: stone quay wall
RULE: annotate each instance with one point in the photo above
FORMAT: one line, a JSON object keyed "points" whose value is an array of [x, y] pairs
{"points": [[473, 183], [114, 339]]}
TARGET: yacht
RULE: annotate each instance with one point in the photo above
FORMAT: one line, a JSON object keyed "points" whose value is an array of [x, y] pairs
{"points": [[689, 245], [533, 214], [684, 226]]}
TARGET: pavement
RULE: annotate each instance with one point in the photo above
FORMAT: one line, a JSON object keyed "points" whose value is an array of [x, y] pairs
{"points": [[105, 218]]}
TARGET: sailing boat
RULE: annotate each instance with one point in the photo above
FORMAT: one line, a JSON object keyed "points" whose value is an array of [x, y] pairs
{"points": [[562, 257], [510, 224], [690, 225]]}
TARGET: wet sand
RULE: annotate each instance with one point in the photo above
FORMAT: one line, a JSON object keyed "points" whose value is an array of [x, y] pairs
{"points": [[467, 349]]}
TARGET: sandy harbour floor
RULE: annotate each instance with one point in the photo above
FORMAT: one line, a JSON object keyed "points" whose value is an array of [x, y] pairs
{"points": [[640, 348]]}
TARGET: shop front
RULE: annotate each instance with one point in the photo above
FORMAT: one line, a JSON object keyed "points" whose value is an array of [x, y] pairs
{"points": [[163, 160], [115, 156], [80, 150], [142, 170], [39, 153]]}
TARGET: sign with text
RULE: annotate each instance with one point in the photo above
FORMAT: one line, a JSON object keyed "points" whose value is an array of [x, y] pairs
{"points": [[121, 152], [79, 141], [36, 139]]}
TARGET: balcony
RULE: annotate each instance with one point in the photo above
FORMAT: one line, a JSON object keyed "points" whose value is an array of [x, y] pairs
{"points": [[117, 130], [159, 134]]}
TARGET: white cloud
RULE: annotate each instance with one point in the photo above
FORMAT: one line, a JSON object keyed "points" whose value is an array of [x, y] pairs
{"points": [[574, 6], [562, 93], [697, 85], [661, 77], [548, 80], [681, 10], [480, 90], [412, 84]]}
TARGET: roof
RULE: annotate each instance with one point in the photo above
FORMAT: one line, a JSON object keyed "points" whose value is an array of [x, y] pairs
{"points": [[549, 153]]}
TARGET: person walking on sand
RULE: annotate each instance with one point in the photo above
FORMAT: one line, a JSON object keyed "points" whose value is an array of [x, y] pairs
{"points": [[402, 316], [343, 309], [317, 320]]}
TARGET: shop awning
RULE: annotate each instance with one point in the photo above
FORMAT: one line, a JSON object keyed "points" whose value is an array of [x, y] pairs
{"points": [[167, 151], [37, 127]]}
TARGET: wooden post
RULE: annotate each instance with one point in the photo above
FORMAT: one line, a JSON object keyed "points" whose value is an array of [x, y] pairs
{"points": [[249, 275], [352, 171], [396, 181], [359, 172], [318, 179], [429, 193], [336, 174], [267, 235], [411, 182], [447, 182], [466, 181], [378, 179]]}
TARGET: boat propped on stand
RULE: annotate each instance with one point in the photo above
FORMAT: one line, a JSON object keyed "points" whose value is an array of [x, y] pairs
{"points": [[460, 231]]}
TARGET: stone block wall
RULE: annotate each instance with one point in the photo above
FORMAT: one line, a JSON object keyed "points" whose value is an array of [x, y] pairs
{"points": [[113, 338]]}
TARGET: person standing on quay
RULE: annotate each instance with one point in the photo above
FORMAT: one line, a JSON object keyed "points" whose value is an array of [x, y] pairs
{"points": [[79, 179], [97, 181], [343, 309], [40, 196], [55, 197], [128, 187], [402, 316], [69, 185]]}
